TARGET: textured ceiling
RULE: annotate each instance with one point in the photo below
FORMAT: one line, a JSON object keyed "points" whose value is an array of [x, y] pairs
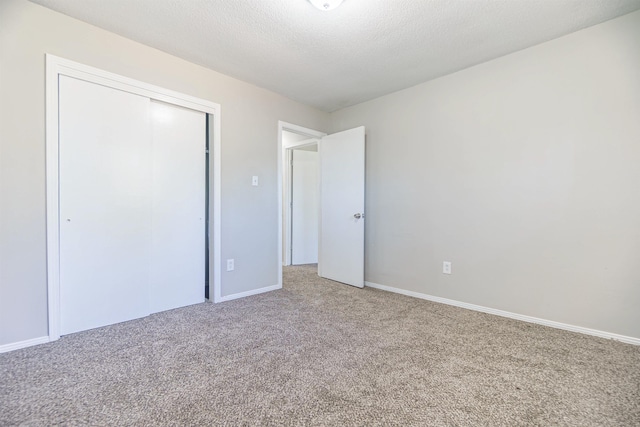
{"points": [[362, 50]]}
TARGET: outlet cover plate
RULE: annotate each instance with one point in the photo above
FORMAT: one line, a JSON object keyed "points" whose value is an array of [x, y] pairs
{"points": [[446, 267]]}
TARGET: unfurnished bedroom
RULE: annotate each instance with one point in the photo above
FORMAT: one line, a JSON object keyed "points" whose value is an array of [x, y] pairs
{"points": [[320, 212]]}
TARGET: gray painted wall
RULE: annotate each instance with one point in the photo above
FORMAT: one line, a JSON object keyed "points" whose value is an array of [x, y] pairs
{"points": [[249, 147], [524, 172]]}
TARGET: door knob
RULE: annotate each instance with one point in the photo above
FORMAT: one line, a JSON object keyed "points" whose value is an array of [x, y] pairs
{"points": [[358, 216]]}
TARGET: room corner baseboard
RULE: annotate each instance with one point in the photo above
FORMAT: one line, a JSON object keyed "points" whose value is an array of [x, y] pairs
{"points": [[22, 344], [249, 293], [524, 318]]}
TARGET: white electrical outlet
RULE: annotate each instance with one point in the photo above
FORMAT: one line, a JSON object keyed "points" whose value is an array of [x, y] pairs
{"points": [[446, 267], [254, 181], [230, 265]]}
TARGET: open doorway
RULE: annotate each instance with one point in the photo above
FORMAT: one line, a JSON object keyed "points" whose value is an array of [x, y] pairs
{"points": [[299, 194], [333, 166]]}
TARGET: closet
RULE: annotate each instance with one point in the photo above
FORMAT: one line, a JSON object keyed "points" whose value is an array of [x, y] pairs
{"points": [[132, 205]]}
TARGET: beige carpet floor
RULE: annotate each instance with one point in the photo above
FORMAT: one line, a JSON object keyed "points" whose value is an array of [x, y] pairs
{"points": [[319, 353]]}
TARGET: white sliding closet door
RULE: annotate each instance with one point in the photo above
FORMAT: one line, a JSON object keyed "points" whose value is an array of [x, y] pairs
{"points": [[132, 205], [178, 248], [105, 205]]}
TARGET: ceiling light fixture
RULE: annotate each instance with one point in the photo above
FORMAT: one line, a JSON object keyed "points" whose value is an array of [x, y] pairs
{"points": [[325, 5]]}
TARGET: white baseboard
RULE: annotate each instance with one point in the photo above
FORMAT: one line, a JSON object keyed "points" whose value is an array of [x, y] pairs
{"points": [[530, 319], [22, 344], [249, 293]]}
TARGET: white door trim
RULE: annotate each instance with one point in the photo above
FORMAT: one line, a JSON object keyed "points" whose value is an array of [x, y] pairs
{"points": [[284, 153], [57, 66]]}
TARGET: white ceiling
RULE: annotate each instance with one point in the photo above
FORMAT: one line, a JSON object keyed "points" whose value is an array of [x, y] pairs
{"points": [[362, 50]]}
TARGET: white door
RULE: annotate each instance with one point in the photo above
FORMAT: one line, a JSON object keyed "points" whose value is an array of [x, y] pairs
{"points": [[178, 196], [342, 163], [105, 205], [304, 207], [132, 205]]}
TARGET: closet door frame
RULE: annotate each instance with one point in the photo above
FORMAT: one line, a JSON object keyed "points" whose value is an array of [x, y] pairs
{"points": [[56, 67]]}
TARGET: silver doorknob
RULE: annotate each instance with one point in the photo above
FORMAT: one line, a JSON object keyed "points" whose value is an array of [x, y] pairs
{"points": [[358, 216]]}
